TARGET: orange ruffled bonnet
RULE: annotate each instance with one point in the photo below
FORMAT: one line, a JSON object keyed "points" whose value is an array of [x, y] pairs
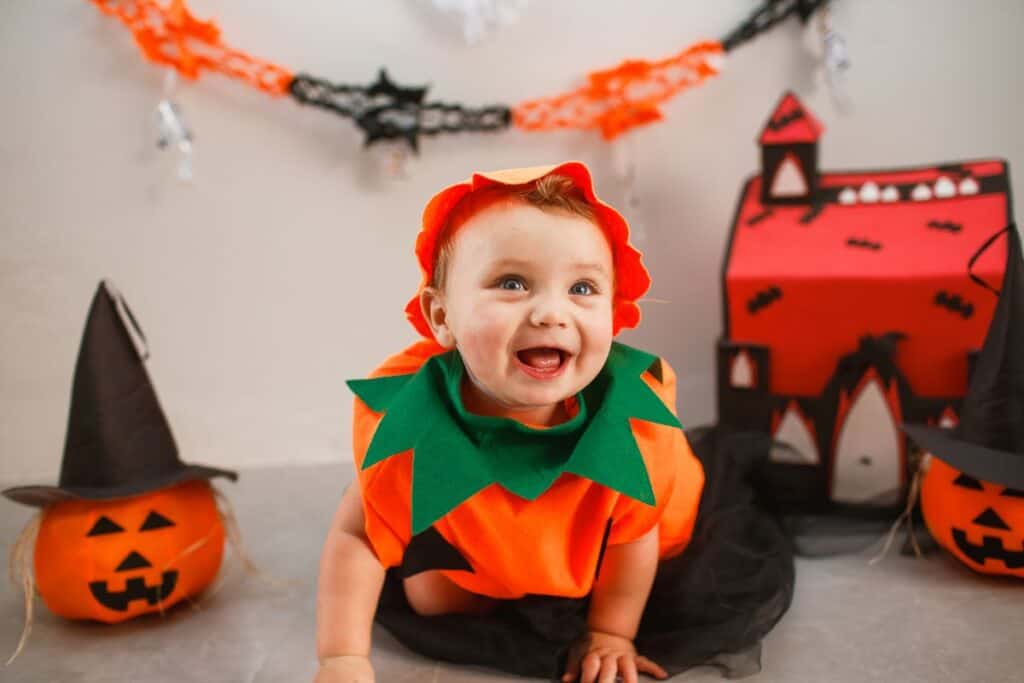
{"points": [[631, 277]]}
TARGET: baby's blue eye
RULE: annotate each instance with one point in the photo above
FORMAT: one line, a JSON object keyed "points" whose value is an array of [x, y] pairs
{"points": [[514, 284], [582, 289]]}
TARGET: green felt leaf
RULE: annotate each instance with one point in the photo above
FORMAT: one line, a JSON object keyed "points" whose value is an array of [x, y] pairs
{"points": [[378, 392]]}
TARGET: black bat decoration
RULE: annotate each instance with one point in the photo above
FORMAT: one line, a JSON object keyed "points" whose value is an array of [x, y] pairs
{"points": [[757, 218], [954, 303], [949, 226], [786, 119], [863, 244], [763, 298]]}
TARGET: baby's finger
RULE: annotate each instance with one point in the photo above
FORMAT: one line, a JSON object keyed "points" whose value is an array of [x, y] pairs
{"points": [[609, 668], [648, 667], [627, 669], [591, 667], [571, 672], [574, 662]]}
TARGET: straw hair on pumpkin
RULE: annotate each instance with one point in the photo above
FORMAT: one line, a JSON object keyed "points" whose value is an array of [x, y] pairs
{"points": [[233, 533], [20, 571], [907, 515]]}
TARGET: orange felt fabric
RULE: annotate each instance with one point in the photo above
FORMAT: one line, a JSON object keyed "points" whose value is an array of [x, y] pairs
{"points": [[547, 546], [67, 559]]}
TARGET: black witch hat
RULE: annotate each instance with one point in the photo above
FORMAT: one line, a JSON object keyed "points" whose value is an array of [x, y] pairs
{"points": [[118, 441], [988, 444]]}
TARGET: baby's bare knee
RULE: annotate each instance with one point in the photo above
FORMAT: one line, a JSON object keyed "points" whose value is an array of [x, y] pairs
{"points": [[422, 595], [430, 594]]}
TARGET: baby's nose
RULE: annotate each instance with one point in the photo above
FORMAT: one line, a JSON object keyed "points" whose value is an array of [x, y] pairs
{"points": [[548, 312]]}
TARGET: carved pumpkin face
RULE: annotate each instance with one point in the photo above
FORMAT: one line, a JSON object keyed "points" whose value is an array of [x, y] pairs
{"points": [[982, 524], [112, 560]]}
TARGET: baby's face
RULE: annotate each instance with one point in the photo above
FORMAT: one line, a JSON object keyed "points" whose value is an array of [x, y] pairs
{"points": [[528, 303]]}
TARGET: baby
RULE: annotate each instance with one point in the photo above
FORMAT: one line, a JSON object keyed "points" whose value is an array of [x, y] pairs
{"points": [[516, 458]]}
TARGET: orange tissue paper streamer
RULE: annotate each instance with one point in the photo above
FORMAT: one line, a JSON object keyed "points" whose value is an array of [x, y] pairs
{"points": [[618, 99], [171, 36]]}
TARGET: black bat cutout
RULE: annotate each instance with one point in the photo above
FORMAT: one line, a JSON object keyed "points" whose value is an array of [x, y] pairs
{"points": [[863, 244], [954, 303], [763, 298], [948, 226]]}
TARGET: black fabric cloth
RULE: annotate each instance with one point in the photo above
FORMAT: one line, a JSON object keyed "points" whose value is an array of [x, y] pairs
{"points": [[710, 605]]}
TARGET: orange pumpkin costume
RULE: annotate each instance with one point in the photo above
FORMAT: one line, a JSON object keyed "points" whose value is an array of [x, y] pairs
{"points": [[524, 513], [562, 532]]}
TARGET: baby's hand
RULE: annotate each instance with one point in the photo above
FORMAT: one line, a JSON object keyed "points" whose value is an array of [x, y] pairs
{"points": [[605, 658], [344, 669]]}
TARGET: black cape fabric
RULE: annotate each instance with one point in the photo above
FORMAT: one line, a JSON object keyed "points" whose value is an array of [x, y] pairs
{"points": [[710, 605]]}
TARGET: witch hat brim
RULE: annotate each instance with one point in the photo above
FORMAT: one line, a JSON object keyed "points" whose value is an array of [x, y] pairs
{"points": [[981, 462], [41, 496], [988, 444], [118, 441]]}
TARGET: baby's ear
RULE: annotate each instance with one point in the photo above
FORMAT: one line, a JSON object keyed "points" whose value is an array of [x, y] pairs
{"points": [[433, 307]]}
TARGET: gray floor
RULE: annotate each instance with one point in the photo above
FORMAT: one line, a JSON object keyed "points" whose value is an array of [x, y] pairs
{"points": [[901, 620]]}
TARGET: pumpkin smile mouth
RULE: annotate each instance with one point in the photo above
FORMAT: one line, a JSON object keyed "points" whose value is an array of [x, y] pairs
{"points": [[991, 548], [135, 589]]}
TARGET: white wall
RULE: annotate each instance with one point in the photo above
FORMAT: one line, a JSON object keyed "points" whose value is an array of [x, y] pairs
{"points": [[284, 268]]}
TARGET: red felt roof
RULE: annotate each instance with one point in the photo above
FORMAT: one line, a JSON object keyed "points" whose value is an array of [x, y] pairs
{"points": [[790, 123], [779, 243], [870, 258]]}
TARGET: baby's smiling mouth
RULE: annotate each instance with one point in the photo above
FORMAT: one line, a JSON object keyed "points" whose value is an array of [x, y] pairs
{"points": [[542, 362]]}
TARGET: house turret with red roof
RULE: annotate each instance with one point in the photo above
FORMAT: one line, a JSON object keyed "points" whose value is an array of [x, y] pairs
{"points": [[850, 306], [789, 154]]}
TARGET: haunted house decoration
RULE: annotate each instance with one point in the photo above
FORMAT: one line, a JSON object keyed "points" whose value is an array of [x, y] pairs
{"points": [[849, 308]]}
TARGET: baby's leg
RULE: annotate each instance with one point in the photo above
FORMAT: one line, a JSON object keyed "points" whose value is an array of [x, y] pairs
{"points": [[430, 593]]}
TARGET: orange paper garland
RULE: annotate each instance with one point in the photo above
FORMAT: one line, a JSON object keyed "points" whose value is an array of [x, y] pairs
{"points": [[623, 97], [173, 37]]}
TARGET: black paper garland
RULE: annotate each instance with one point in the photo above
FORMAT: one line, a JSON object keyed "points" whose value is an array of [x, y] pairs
{"points": [[768, 15], [385, 110]]}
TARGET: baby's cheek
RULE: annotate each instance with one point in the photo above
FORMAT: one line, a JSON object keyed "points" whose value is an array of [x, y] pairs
{"points": [[597, 327], [483, 339]]}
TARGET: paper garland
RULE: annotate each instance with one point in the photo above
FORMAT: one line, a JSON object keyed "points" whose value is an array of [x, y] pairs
{"points": [[613, 100], [384, 110]]}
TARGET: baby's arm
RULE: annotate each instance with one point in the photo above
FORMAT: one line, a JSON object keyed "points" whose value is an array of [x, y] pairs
{"points": [[349, 587], [616, 605]]}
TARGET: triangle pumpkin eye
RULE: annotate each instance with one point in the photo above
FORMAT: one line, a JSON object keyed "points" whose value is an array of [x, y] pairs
{"points": [[104, 525], [968, 482], [154, 520], [1013, 493]]}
